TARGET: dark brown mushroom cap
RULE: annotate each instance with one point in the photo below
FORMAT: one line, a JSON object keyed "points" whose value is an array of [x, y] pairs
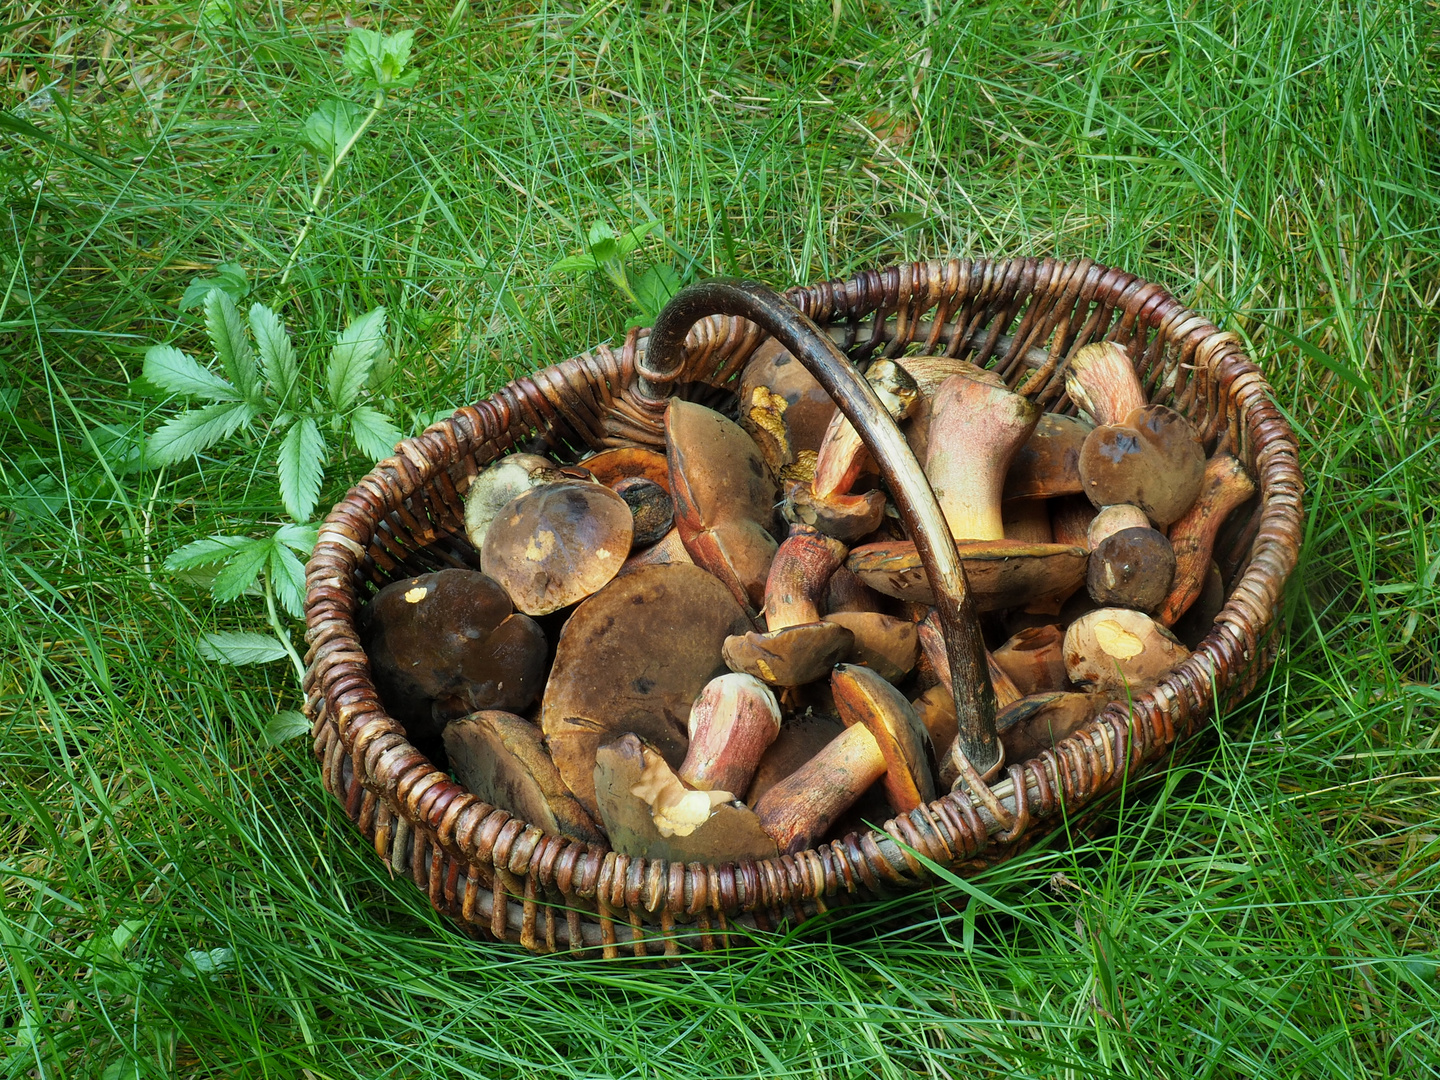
{"points": [[847, 518], [651, 509], [450, 637], [1037, 722], [1048, 464], [808, 408], [1131, 568], [1001, 573], [716, 471], [619, 463], [496, 485], [554, 545], [863, 697], [1154, 460], [633, 657], [625, 773], [499, 757], [883, 643], [791, 656]]}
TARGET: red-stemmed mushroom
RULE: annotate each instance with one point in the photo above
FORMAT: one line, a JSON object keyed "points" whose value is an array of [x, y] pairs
{"points": [[1226, 485], [732, 723]]}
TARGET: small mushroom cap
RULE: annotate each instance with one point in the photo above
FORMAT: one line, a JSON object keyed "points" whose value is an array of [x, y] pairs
{"points": [[1048, 464], [554, 545], [800, 739], [633, 658], [496, 485], [845, 517], [499, 757], [1034, 659], [1001, 573], [883, 643], [1131, 568], [732, 722], [716, 470], [863, 697], [1111, 519], [702, 827], [450, 637], [1154, 460], [791, 656], [651, 508], [1037, 722], [619, 463], [1119, 650]]}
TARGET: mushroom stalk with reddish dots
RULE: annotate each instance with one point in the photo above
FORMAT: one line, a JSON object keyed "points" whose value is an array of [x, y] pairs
{"points": [[732, 723], [1225, 486]]}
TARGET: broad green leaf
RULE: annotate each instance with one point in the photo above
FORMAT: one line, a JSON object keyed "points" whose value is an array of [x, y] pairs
{"points": [[176, 372], [287, 577], [576, 264], [599, 233], [242, 569], [332, 127], [655, 288], [212, 549], [298, 538], [285, 725], [277, 354], [229, 278], [207, 963], [380, 61], [374, 433], [604, 251], [302, 466], [352, 357], [242, 648], [628, 241], [227, 335], [191, 432]]}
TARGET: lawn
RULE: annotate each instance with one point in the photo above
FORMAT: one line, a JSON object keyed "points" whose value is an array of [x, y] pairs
{"points": [[181, 897]]}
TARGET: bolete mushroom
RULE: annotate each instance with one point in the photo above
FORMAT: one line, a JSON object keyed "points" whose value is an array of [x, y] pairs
{"points": [[633, 657], [732, 723], [1120, 651], [652, 511], [1225, 486], [724, 498], [1131, 563], [801, 738], [1037, 722], [554, 545], [499, 757], [1147, 455], [883, 738], [1048, 463], [797, 647], [668, 549], [648, 813], [496, 485], [932, 644], [1034, 659], [445, 644], [883, 643], [782, 407]]}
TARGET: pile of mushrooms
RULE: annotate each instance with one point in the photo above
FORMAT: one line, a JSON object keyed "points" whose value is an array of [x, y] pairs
{"points": [[731, 651]]}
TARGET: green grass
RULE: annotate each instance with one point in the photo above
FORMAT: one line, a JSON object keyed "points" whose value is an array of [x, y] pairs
{"points": [[1268, 910]]}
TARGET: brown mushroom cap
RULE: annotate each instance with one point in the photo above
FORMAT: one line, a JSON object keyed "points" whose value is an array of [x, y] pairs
{"points": [[668, 549], [883, 643], [1154, 460], [845, 517], [863, 697], [790, 656], [1001, 573], [651, 509], [808, 407], [1037, 722], [619, 463], [633, 657], [553, 545], [1120, 651], [496, 485], [1131, 568], [649, 814], [1034, 659], [732, 722], [448, 642], [1048, 464], [498, 757], [936, 709]]}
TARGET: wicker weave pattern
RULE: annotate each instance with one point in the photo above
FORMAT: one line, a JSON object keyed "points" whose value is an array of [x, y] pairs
{"points": [[1022, 318]]}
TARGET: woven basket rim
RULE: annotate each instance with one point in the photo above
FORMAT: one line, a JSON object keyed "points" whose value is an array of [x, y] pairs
{"points": [[365, 755]]}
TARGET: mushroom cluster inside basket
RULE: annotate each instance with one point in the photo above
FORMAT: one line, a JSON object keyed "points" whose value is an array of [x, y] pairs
{"points": [[1037, 517]]}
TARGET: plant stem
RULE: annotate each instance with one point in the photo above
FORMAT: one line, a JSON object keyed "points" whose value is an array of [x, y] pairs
{"points": [[326, 177], [281, 632]]}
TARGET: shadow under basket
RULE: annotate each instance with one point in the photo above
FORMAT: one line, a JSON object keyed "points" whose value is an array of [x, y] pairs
{"points": [[1022, 318]]}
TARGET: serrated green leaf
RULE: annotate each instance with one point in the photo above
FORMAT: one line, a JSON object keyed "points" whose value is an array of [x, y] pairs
{"points": [[176, 372], [599, 232], [298, 538], [374, 434], [378, 61], [197, 430], [287, 577], [362, 52], [655, 288], [285, 725], [227, 335], [302, 466], [242, 569], [212, 549], [352, 357], [277, 354], [576, 264], [241, 648], [331, 127], [229, 278]]}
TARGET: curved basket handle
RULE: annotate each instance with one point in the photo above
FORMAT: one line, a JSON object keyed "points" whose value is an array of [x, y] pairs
{"points": [[919, 512]]}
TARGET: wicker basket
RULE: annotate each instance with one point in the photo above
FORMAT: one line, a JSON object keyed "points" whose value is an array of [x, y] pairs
{"points": [[1020, 317]]}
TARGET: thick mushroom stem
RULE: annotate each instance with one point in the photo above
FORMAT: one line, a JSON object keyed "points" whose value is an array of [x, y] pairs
{"points": [[800, 809], [842, 453], [976, 428], [732, 723], [799, 576], [919, 512], [1225, 486], [1102, 381]]}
